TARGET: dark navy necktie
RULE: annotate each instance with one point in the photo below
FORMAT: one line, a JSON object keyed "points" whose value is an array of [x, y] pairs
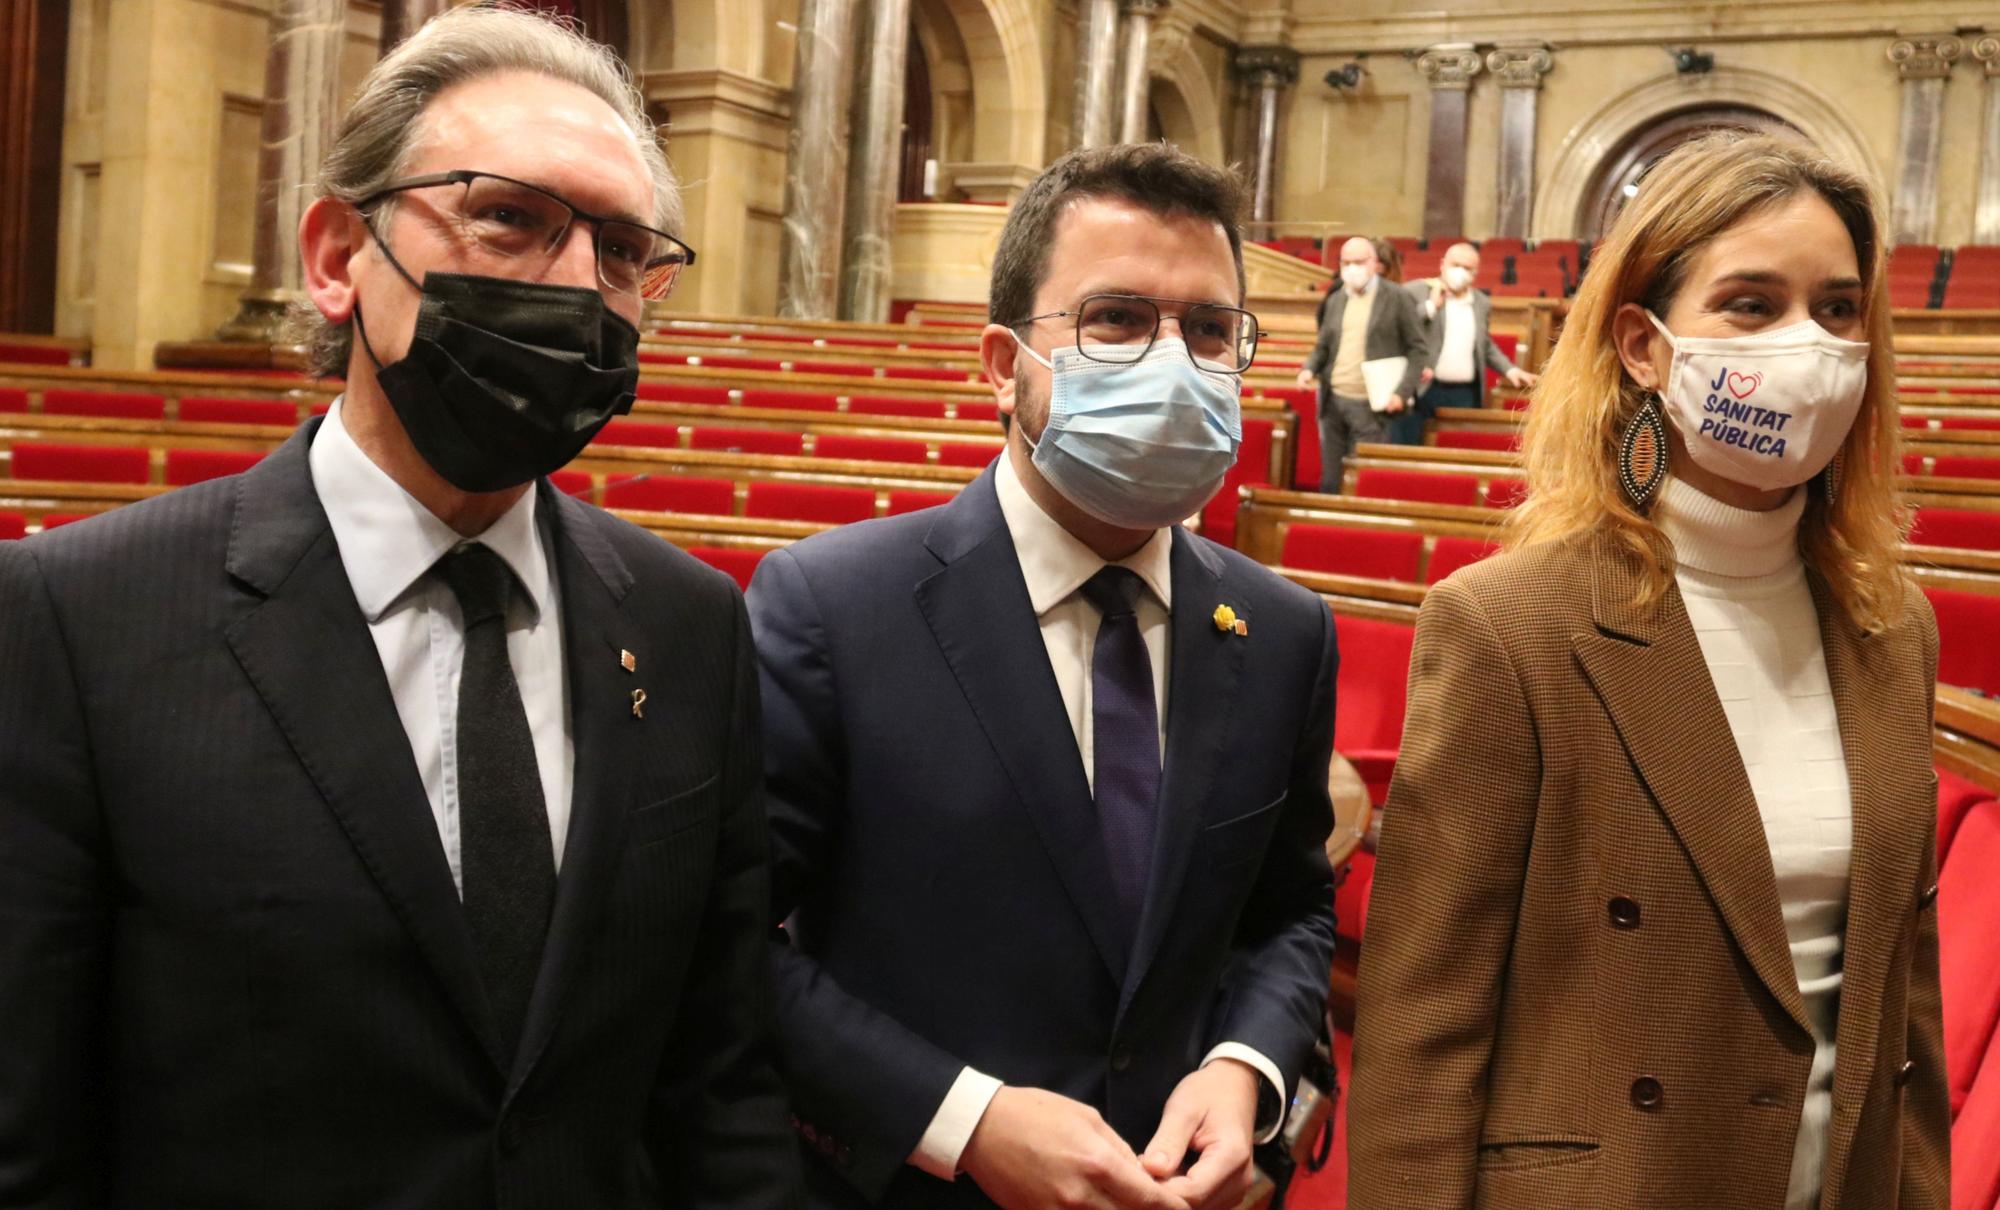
{"points": [[506, 858], [1125, 737]]}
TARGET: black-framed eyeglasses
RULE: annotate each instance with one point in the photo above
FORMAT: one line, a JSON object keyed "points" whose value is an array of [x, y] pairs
{"points": [[514, 219], [1121, 328]]}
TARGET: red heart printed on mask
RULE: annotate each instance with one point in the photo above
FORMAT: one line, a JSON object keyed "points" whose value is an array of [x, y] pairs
{"points": [[1744, 385]]}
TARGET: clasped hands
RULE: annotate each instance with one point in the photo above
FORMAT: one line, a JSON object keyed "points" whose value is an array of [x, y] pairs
{"points": [[1034, 1149]]}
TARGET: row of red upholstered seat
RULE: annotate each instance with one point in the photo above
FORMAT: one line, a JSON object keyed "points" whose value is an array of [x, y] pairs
{"points": [[65, 462], [1380, 554], [1408, 556], [141, 405], [1969, 969], [843, 368], [1438, 487], [792, 443]]}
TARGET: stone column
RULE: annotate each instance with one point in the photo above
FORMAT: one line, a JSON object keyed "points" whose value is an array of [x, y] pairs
{"points": [[1986, 204], [1135, 88], [1519, 67], [872, 180], [1924, 63], [1268, 69], [1449, 66], [816, 162], [1096, 69], [401, 18], [301, 102]]}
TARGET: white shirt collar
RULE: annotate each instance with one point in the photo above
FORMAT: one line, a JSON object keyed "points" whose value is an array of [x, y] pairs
{"points": [[388, 540], [1055, 562]]}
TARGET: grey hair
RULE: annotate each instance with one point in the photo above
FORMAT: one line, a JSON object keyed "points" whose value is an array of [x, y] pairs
{"points": [[382, 128]]}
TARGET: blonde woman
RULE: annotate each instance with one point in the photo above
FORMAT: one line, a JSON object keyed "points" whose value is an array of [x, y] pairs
{"points": [[1652, 922]]}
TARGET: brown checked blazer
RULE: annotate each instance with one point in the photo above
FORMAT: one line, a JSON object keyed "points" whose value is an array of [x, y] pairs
{"points": [[1577, 992]]}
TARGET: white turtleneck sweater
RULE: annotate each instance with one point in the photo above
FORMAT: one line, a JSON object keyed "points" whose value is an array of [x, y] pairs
{"points": [[1744, 584]]}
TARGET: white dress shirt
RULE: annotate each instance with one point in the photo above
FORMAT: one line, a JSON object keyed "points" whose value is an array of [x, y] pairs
{"points": [[1458, 359], [387, 542], [1056, 564], [1744, 584]]}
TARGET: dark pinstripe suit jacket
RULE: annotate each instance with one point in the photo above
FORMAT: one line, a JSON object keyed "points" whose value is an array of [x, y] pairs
{"points": [[1525, 1041], [233, 968]]}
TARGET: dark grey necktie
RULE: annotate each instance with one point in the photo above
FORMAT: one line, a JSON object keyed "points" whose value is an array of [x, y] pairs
{"points": [[1125, 737], [506, 859]]}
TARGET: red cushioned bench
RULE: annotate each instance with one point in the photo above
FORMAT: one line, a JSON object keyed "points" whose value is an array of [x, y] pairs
{"points": [[1377, 554], [80, 463], [238, 411], [739, 563], [117, 405], [671, 494], [185, 467]]}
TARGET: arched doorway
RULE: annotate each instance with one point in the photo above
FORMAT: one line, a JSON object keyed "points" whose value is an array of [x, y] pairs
{"points": [[1617, 177], [918, 151]]}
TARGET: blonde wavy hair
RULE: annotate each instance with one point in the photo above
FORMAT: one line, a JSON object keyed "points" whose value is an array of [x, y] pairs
{"points": [[1585, 399]]}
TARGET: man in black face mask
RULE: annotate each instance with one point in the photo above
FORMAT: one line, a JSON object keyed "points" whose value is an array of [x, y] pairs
{"points": [[381, 827]]}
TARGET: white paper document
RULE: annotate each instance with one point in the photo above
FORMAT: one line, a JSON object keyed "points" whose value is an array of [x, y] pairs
{"points": [[1383, 376]]}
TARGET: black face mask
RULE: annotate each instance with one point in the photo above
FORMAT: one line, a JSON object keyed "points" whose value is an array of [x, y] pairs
{"points": [[506, 381]]}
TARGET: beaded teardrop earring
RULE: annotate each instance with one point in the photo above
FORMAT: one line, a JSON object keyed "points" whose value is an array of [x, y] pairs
{"points": [[1642, 453]]}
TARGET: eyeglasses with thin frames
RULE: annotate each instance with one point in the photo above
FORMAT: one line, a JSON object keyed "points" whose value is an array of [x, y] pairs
{"points": [[1121, 328], [515, 220]]}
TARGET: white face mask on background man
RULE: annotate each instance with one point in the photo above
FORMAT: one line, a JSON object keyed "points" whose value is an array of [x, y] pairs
{"points": [[1457, 278], [1356, 277], [1768, 411]]}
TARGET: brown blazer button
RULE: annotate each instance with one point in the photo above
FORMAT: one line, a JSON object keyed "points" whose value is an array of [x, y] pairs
{"points": [[1647, 1094], [1928, 898], [1624, 913], [1903, 1074]]}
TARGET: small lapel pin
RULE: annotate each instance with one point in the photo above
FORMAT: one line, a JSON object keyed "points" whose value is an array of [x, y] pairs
{"points": [[627, 660], [1228, 623], [638, 703]]}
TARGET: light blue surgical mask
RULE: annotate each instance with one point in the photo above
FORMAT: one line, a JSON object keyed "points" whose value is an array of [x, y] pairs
{"points": [[1138, 444]]}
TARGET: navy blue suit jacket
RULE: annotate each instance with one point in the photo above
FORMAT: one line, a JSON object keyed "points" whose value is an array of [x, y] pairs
{"points": [[937, 856]]}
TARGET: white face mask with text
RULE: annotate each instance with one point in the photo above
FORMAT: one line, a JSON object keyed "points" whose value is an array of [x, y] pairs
{"points": [[1768, 411]]}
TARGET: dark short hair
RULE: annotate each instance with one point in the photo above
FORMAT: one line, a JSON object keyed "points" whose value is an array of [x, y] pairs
{"points": [[1158, 176]]}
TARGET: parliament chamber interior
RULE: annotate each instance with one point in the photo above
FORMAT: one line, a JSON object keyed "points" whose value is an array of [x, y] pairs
{"points": [[819, 365]]}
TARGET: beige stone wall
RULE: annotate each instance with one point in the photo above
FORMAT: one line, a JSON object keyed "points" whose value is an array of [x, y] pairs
{"points": [[160, 142], [1356, 161]]}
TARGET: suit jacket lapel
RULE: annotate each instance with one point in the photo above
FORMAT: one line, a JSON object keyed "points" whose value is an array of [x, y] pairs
{"points": [[978, 610], [1203, 676], [1648, 670], [1882, 875], [594, 582], [1380, 321], [307, 651]]}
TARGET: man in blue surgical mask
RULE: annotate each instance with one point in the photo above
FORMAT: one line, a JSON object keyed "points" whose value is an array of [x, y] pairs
{"points": [[1047, 772]]}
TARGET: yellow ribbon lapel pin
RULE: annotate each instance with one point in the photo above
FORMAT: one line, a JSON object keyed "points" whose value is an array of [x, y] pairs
{"points": [[1228, 623]]}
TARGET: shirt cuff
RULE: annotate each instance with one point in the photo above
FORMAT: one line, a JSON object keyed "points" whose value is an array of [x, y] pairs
{"points": [[943, 1144], [1266, 1131]]}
